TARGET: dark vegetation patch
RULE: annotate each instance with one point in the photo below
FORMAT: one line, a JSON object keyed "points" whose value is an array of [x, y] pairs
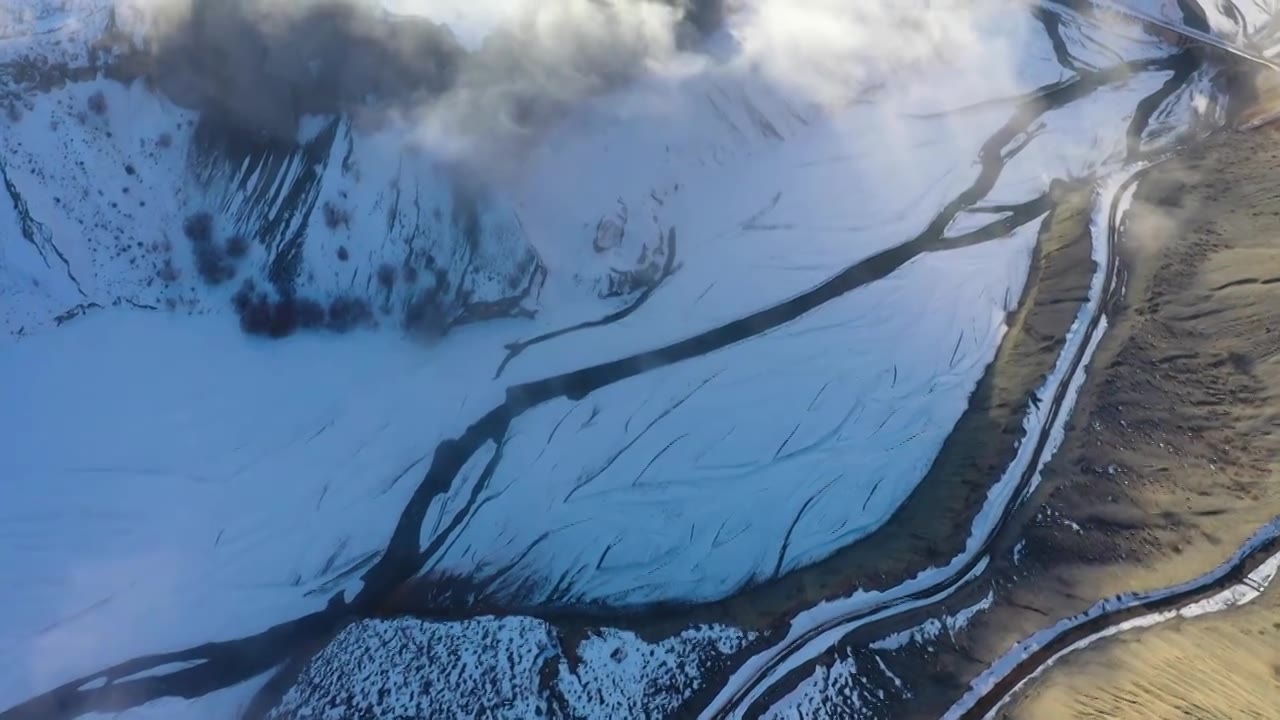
{"points": [[386, 277], [98, 104], [212, 262], [426, 314], [262, 314], [343, 255], [347, 313], [652, 268], [335, 217], [237, 247], [168, 274]]}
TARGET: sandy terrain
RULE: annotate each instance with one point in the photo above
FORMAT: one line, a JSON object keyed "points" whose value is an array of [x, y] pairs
{"points": [[1171, 464], [1168, 463], [1220, 667], [1168, 466]]}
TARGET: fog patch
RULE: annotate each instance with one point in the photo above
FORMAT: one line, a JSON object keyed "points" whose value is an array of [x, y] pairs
{"points": [[263, 65]]}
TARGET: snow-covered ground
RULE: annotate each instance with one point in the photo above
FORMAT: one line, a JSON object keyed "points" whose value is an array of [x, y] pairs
{"points": [[846, 689], [116, 195], [814, 631], [172, 481], [514, 666]]}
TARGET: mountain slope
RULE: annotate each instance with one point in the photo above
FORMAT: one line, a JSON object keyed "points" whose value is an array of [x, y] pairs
{"points": [[730, 317]]}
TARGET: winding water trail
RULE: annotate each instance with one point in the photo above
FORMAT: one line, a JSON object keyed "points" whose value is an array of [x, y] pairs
{"points": [[810, 638], [214, 666], [1239, 580]]}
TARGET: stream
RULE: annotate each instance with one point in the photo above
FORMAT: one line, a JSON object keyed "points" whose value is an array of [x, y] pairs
{"points": [[745, 690]]}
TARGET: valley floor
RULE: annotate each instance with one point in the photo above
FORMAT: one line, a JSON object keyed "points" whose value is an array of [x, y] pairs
{"points": [[1170, 464], [1222, 667], [339, 549]]}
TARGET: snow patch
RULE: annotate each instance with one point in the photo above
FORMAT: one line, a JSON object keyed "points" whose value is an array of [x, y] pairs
{"points": [[511, 667]]}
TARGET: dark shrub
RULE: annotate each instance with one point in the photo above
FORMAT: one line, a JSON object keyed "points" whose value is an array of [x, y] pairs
{"points": [[260, 315], [237, 246], [98, 103], [343, 255], [211, 261], [347, 313], [248, 290], [199, 228], [212, 265], [254, 309], [335, 216], [167, 273], [386, 276], [310, 314], [426, 314]]}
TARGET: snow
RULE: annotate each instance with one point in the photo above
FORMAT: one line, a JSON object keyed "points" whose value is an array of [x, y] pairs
{"points": [[621, 675], [113, 194], [814, 630], [501, 668], [125, 515], [221, 704], [835, 685], [54, 29], [933, 628], [173, 482], [842, 689], [413, 669], [1231, 21], [613, 489], [756, 181], [837, 689], [897, 681]]}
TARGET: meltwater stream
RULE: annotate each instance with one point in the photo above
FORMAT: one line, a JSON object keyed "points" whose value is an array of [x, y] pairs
{"points": [[1077, 97]]}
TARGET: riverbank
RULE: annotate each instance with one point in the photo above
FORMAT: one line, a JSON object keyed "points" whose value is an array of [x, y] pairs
{"points": [[1040, 570], [1220, 667], [1168, 463], [933, 525], [1174, 464]]}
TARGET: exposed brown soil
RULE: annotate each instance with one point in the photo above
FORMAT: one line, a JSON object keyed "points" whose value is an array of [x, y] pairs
{"points": [[1170, 457], [1220, 667], [1187, 410]]}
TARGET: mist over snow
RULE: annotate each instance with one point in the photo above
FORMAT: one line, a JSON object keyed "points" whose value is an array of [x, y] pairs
{"points": [[517, 305], [476, 82]]}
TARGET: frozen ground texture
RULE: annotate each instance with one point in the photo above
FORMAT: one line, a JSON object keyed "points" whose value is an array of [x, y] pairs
{"points": [[172, 481], [517, 666], [861, 684], [113, 195]]}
